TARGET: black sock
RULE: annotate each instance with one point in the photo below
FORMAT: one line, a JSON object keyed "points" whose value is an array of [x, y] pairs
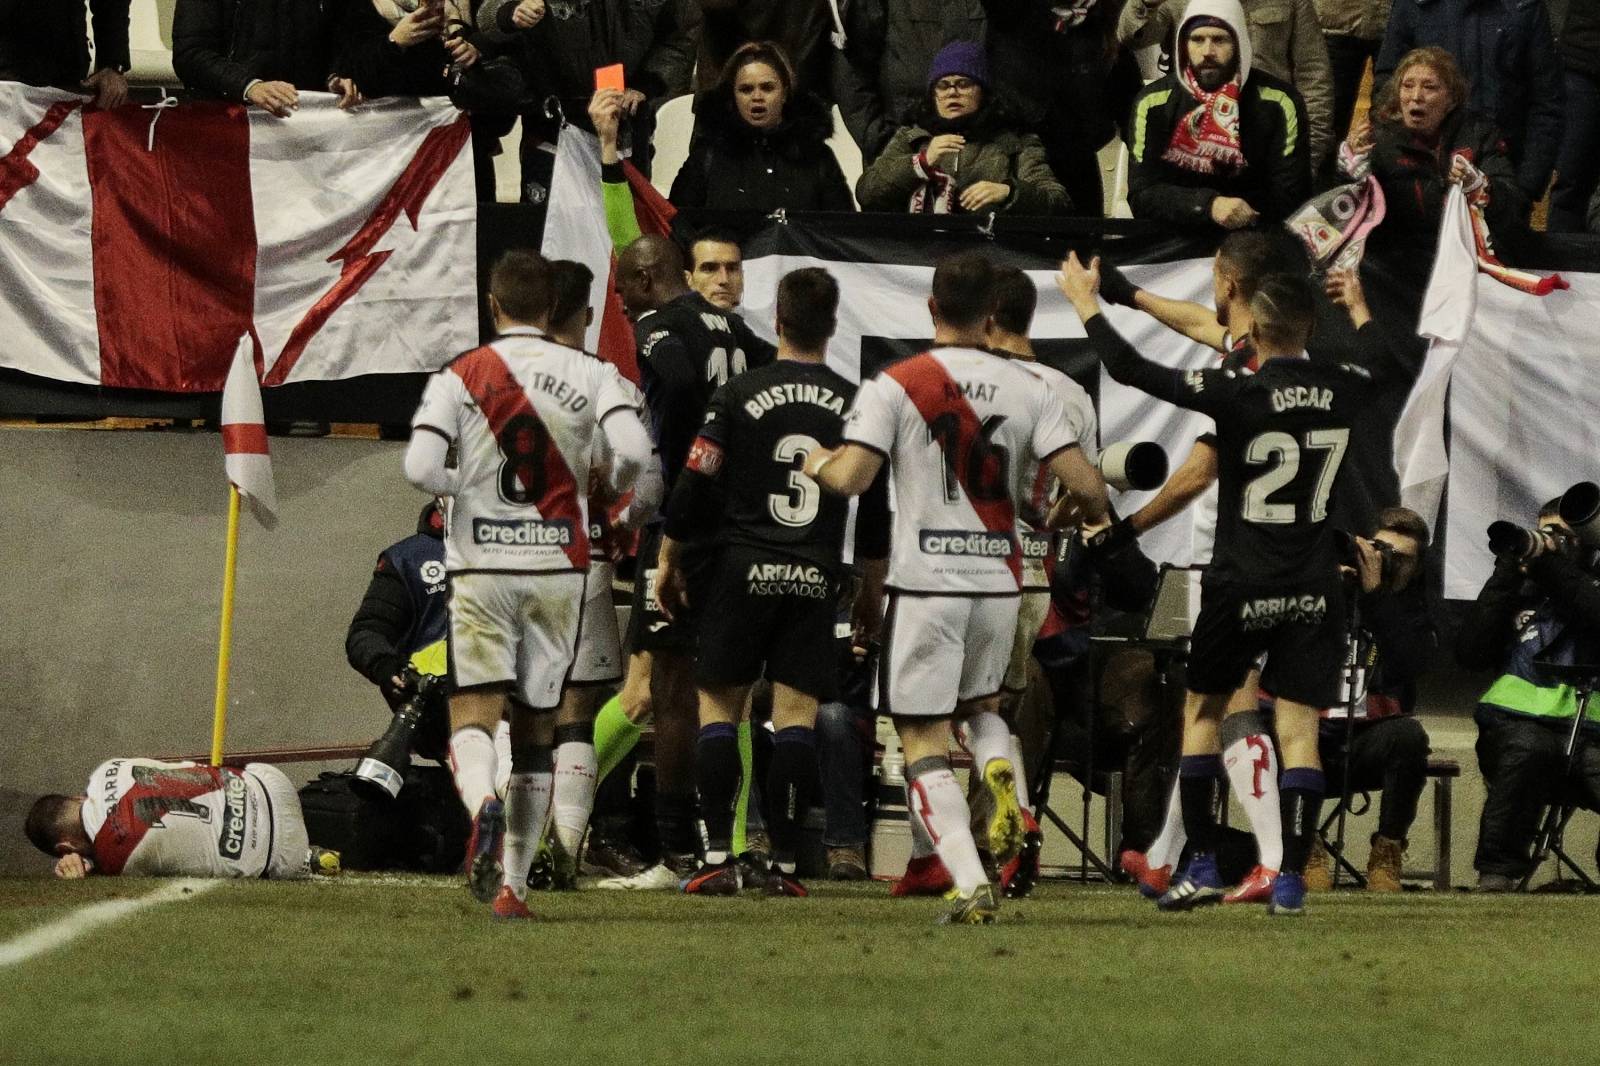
{"points": [[716, 767], [790, 785], [675, 823], [1199, 781], [1300, 790]]}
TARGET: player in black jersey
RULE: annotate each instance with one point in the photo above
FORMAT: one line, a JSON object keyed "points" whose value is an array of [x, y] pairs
{"points": [[769, 603], [691, 342], [1274, 583]]}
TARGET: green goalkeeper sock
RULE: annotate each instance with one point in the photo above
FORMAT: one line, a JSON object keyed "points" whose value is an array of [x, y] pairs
{"points": [[614, 736], [741, 806]]}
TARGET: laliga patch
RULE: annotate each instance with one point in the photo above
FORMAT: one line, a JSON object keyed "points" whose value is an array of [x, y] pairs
{"points": [[705, 457]]}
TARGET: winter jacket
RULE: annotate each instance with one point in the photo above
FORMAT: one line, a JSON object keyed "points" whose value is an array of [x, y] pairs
{"points": [[1273, 135], [1362, 19], [46, 42], [1579, 40], [1415, 189], [220, 46], [883, 75], [1506, 52], [652, 39], [994, 151], [732, 166], [800, 26], [1594, 212], [378, 66], [1055, 74], [1285, 39]]}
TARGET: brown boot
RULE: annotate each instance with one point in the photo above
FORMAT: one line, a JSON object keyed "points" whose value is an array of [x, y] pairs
{"points": [[1383, 864], [1319, 868]]}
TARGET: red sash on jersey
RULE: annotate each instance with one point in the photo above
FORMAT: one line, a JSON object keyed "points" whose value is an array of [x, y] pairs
{"points": [[157, 793], [936, 396], [499, 396]]}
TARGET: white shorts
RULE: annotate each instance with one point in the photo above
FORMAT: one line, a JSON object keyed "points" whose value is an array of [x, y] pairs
{"points": [[290, 844], [940, 650], [1030, 619], [520, 628], [599, 658]]}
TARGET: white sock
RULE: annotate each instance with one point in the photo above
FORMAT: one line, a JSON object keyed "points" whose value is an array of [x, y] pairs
{"points": [[527, 809], [988, 739], [1167, 847], [1021, 774], [921, 846], [502, 750], [472, 761], [938, 804], [1252, 765], [573, 798]]}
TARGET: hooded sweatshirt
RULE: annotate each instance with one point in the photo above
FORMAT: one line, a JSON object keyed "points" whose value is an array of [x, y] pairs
{"points": [[1273, 136]]}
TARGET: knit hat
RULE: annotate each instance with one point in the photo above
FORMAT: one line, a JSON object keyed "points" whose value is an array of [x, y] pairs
{"points": [[960, 57]]}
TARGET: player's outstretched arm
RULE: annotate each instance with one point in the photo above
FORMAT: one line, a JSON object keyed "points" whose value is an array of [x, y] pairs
{"points": [[1083, 484], [1081, 285], [847, 470], [425, 467], [1195, 321], [866, 614], [1198, 472]]}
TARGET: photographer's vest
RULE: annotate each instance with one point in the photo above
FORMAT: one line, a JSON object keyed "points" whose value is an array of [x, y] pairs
{"points": [[419, 560], [1523, 689]]}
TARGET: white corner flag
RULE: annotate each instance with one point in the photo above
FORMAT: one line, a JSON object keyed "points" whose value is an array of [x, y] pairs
{"points": [[244, 436]]}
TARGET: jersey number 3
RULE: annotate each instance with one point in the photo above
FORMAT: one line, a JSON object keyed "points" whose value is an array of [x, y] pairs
{"points": [[798, 506], [1283, 452]]}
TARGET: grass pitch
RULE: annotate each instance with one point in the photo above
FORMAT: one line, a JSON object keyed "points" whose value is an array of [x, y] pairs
{"points": [[375, 970]]}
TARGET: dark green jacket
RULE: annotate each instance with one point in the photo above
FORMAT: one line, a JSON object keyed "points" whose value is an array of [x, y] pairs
{"points": [[1014, 159]]}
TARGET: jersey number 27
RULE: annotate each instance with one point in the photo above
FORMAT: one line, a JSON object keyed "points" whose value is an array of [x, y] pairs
{"points": [[1283, 451]]}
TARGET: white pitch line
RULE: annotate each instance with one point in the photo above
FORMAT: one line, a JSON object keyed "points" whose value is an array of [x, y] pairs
{"points": [[67, 929]]}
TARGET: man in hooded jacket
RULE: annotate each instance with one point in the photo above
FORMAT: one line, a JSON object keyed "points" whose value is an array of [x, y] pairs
{"points": [[1214, 144]]}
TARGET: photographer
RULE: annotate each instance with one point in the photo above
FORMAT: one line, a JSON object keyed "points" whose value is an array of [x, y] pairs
{"points": [[1541, 604], [404, 616], [1387, 746]]}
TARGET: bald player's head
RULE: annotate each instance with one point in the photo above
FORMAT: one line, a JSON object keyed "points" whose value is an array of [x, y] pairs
{"points": [[649, 273]]}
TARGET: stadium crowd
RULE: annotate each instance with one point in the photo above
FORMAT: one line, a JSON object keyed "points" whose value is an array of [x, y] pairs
{"points": [[754, 634]]}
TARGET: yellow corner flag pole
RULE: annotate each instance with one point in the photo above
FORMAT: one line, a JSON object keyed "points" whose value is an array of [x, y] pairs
{"points": [[219, 720]]}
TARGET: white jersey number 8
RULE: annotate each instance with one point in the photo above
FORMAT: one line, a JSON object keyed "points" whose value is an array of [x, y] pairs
{"points": [[798, 506], [1284, 451]]}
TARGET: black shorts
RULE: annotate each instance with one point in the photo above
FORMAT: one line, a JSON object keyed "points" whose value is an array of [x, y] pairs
{"points": [[1300, 628], [648, 629], [765, 614]]}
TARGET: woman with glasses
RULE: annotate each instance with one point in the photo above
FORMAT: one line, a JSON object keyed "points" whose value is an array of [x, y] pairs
{"points": [[962, 152]]}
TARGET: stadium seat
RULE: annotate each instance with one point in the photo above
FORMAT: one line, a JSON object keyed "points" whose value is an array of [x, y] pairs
{"points": [[1442, 772]]}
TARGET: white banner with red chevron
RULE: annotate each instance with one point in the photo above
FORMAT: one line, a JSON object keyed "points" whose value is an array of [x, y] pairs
{"points": [[138, 244]]}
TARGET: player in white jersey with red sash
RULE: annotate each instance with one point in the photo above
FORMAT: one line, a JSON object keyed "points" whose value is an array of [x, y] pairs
{"points": [[521, 415], [962, 430], [147, 818]]}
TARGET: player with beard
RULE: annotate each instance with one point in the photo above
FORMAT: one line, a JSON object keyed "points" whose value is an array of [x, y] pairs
{"points": [[691, 342], [768, 606], [1249, 754], [962, 430], [1274, 585]]}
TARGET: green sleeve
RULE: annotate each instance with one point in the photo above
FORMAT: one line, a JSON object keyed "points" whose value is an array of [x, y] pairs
{"points": [[621, 220]]}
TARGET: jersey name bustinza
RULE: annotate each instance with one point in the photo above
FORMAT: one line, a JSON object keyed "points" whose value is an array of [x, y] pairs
{"points": [[522, 413], [963, 430]]}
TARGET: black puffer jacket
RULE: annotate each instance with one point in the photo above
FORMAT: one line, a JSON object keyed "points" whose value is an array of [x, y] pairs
{"points": [[732, 166], [364, 53], [1580, 37], [46, 42], [221, 46]]}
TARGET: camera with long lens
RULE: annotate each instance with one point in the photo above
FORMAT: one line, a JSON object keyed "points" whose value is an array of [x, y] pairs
{"points": [[1349, 546], [382, 770], [1133, 465], [1579, 509]]}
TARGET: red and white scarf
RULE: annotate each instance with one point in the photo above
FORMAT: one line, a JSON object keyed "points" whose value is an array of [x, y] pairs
{"points": [[1206, 140]]}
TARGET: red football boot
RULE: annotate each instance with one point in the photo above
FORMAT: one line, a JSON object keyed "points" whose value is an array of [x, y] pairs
{"points": [[1255, 888], [508, 906], [1153, 881], [923, 877]]}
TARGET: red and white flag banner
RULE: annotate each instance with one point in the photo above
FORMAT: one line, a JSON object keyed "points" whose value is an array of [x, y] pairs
{"points": [[138, 244], [246, 456]]}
